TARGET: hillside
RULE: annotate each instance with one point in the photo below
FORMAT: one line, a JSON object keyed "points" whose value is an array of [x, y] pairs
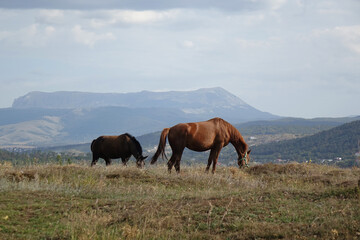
{"points": [[61, 118], [292, 201], [298, 126], [341, 141]]}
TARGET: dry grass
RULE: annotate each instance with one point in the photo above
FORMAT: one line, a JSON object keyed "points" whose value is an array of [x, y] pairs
{"points": [[292, 201]]}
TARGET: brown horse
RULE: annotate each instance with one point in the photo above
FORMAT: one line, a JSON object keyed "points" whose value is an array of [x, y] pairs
{"points": [[213, 134], [112, 147]]}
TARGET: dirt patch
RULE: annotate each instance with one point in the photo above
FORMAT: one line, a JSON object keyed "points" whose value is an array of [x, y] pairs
{"points": [[271, 168], [323, 179], [19, 176]]}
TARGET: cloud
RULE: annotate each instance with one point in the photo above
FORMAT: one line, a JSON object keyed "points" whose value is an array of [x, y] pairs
{"points": [[231, 5], [127, 17], [244, 43], [349, 36], [50, 16], [276, 4], [34, 35], [89, 38], [188, 44]]}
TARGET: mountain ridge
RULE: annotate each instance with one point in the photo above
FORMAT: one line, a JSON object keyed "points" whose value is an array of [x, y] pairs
{"points": [[203, 97], [83, 116]]}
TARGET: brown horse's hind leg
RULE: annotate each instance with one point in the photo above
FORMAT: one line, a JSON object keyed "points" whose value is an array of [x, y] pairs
{"points": [[177, 164], [178, 159], [171, 163], [175, 160]]}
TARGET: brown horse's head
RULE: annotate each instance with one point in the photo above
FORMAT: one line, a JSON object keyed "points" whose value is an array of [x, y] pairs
{"points": [[140, 163], [244, 160]]}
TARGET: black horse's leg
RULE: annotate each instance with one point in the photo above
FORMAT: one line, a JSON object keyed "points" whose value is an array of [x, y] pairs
{"points": [[125, 160], [107, 161]]}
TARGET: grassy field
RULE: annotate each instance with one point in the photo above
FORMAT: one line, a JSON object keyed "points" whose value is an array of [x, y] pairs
{"points": [[292, 201]]}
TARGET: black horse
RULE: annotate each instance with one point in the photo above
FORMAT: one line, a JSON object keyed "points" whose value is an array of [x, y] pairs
{"points": [[112, 147]]}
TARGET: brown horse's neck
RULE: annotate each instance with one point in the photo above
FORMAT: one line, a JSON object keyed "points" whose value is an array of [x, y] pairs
{"points": [[237, 141]]}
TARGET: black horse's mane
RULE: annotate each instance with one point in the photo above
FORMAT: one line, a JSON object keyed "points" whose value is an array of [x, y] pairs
{"points": [[136, 142]]}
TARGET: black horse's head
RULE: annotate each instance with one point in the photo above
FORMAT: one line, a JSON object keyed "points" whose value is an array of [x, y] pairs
{"points": [[244, 160], [137, 151], [140, 161]]}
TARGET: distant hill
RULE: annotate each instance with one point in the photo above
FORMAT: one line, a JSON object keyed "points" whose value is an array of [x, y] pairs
{"points": [[61, 118], [297, 126], [341, 141]]}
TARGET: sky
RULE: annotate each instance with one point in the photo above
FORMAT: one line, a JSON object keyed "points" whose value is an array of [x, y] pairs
{"points": [[294, 58]]}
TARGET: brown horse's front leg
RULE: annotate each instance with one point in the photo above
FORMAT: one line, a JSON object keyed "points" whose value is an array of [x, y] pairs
{"points": [[213, 157], [209, 164]]}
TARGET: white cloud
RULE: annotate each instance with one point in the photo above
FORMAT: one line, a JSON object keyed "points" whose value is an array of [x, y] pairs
{"points": [[90, 38], [276, 4], [139, 17], [188, 44], [50, 16], [113, 17], [349, 36], [34, 35], [49, 30]]}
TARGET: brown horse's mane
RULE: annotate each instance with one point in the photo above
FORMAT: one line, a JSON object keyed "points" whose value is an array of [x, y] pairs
{"points": [[236, 138]]}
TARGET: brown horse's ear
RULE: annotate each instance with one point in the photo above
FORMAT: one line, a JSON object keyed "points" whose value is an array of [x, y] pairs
{"points": [[248, 152]]}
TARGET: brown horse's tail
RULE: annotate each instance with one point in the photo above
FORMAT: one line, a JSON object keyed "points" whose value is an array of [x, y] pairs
{"points": [[161, 147]]}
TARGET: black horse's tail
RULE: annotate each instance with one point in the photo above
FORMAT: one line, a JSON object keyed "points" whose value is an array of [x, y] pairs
{"points": [[92, 145], [161, 147]]}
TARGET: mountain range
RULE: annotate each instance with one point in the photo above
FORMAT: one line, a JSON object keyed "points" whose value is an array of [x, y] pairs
{"points": [[58, 118]]}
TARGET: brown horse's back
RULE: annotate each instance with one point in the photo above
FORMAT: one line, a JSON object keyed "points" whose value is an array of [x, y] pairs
{"points": [[198, 136]]}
